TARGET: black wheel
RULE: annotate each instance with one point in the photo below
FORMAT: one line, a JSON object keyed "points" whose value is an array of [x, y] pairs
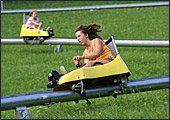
{"points": [[41, 39]]}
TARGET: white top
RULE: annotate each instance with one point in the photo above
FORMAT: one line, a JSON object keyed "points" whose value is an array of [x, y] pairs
{"points": [[29, 24]]}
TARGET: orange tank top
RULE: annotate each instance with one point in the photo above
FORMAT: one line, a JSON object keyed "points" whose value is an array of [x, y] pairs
{"points": [[105, 52]]}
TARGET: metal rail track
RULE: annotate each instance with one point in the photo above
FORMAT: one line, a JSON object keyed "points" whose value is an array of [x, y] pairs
{"points": [[88, 7], [49, 97], [72, 41]]}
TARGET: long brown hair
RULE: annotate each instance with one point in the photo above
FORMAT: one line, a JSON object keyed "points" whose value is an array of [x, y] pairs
{"points": [[30, 14], [91, 30]]}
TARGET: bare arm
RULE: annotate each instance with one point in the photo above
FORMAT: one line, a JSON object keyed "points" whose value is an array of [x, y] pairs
{"points": [[76, 61], [98, 51], [38, 24]]}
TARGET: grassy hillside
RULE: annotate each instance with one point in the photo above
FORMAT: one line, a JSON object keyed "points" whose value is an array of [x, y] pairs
{"points": [[24, 68], [9, 5], [141, 23]]}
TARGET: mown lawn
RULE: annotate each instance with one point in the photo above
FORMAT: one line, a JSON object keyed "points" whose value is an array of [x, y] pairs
{"points": [[25, 68]]}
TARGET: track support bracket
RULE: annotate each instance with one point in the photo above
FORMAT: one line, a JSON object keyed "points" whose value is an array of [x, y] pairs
{"points": [[22, 113], [58, 49]]}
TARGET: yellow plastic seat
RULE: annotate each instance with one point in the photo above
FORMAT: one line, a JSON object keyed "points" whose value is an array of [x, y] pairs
{"points": [[32, 32], [115, 67]]}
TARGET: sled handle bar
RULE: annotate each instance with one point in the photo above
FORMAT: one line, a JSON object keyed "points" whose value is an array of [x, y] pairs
{"points": [[39, 27], [78, 64]]}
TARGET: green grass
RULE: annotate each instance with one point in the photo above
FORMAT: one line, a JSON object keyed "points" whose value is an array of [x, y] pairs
{"points": [[123, 23], [24, 68], [9, 5]]}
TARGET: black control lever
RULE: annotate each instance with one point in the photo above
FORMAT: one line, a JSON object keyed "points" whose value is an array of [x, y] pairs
{"points": [[78, 64]]}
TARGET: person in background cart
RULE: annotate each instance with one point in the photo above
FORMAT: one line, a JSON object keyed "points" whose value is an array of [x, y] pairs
{"points": [[33, 20]]}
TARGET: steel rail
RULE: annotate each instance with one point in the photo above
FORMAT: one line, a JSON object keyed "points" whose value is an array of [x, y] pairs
{"points": [[50, 96], [72, 41], [88, 7]]}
